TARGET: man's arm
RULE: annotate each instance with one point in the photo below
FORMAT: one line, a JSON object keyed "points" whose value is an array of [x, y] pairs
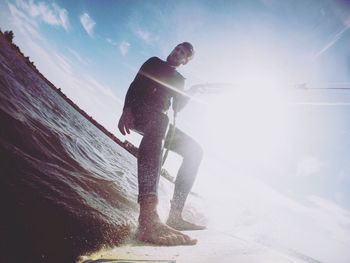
{"points": [[136, 90], [133, 98], [126, 121], [181, 100]]}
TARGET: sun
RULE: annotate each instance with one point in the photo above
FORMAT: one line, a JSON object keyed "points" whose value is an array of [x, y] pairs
{"points": [[249, 125]]}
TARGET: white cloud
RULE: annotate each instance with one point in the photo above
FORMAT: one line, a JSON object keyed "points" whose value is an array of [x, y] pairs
{"points": [[110, 41], [101, 89], [50, 14], [144, 35], [339, 197], [79, 57], [88, 23], [309, 165], [64, 63], [23, 23], [124, 47], [63, 15]]}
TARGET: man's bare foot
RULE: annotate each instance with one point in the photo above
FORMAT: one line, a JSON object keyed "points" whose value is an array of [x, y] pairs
{"points": [[152, 230], [178, 223], [160, 234]]}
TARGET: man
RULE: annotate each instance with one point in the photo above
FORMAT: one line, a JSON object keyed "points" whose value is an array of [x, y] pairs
{"points": [[155, 87]]}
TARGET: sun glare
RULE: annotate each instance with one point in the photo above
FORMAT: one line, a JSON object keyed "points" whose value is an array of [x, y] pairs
{"points": [[252, 118], [247, 130], [245, 133]]}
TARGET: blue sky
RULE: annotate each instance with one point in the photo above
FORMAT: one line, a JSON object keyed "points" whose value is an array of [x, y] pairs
{"points": [[293, 139]]}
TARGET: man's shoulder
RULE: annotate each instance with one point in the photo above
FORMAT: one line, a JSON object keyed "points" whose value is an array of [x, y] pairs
{"points": [[155, 60], [152, 64], [159, 65], [180, 76]]}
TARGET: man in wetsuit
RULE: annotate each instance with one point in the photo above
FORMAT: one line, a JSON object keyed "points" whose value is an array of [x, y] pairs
{"points": [[156, 86]]}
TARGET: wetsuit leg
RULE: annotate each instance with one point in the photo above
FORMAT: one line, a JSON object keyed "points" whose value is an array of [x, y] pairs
{"points": [[192, 154], [149, 155]]}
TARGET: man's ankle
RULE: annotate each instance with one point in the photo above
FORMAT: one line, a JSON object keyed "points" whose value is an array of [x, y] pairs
{"points": [[148, 210], [176, 207], [174, 214]]}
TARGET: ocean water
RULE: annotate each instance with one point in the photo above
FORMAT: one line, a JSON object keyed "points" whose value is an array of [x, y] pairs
{"points": [[65, 187]]}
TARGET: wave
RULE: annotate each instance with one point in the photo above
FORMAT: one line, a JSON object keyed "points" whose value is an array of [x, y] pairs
{"points": [[66, 188]]}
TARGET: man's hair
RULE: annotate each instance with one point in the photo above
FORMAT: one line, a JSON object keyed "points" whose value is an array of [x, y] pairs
{"points": [[189, 48]]}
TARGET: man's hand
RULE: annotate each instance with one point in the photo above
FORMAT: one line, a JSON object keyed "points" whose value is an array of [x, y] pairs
{"points": [[126, 121], [198, 88], [210, 88]]}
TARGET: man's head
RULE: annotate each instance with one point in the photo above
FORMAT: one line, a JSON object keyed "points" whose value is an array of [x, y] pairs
{"points": [[181, 54]]}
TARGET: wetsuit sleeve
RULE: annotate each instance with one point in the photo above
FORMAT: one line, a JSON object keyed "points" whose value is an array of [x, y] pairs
{"points": [[136, 88], [131, 95]]}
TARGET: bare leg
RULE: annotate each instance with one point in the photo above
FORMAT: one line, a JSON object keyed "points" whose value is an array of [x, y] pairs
{"points": [[151, 229], [192, 154]]}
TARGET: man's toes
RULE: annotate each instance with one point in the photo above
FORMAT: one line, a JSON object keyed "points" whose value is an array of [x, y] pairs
{"points": [[181, 240], [186, 240], [163, 241], [173, 240], [177, 232], [165, 236], [189, 240], [193, 242]]}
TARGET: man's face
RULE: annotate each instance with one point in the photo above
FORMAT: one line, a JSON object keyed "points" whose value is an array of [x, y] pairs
{"points": [[180, 55]]}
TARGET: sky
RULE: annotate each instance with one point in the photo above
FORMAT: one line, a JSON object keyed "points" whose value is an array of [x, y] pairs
{"points": [[284, 120]]}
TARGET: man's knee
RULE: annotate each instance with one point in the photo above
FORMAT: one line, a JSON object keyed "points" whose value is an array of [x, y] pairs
{"points": [[163, 123], [194, 153], [160, 125], [198, 151]]}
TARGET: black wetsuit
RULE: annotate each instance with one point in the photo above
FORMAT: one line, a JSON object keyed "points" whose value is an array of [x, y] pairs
{"points": [[153, 87], [149, 97]]}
